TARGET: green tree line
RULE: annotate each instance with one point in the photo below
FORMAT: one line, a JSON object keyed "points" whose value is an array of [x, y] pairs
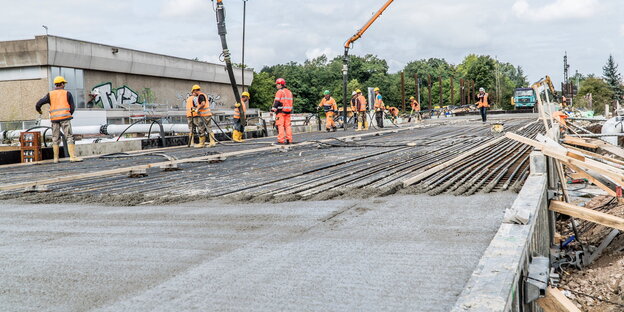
{"points": [[307, 81]]}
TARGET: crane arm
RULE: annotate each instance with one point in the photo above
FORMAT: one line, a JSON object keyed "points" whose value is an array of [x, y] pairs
{"points": [[360, 32]]}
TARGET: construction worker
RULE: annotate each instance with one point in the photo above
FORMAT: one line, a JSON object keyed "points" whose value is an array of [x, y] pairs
{"points": [[394, 114], [483, 102], [564, 102], [415, 107], [379, 108], [203, 119], [354, 109], [191, 112], [283, 107], [361, 106], [239, 127], [61, 113], [328, 104]]}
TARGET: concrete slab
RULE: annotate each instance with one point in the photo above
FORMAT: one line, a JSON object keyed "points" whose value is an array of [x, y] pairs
{"points": [[398, 253]]}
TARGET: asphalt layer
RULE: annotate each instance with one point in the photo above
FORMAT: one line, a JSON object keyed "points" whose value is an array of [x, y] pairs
{"points": [[396, 253]]}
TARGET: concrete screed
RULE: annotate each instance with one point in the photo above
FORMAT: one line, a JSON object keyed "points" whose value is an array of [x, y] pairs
{"points": [[397, 253]]}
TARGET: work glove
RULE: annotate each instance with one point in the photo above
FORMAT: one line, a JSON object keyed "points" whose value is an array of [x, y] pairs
{"points": [[237, 105]]}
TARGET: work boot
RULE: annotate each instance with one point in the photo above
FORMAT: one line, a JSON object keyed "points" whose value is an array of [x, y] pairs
{"points": [[213, 141], [55, 149], [190, 139], [359, 128], [334, 129], [202, 142], [366, 125], [237, 136], [72, 153]]}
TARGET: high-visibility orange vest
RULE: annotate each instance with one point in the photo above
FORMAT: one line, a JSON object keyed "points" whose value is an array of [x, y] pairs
{"points": [[59, 106], [237, 114], [483, 101], [379, 101], [394, 111], [285, 97], [204, 110], [328, 105], [190, 106], [415, 106], [361, 103]]}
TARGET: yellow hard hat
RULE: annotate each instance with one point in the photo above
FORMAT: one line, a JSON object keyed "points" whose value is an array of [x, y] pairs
{"points": [[59, 79], [195, 87], [376, 89], [245, 94], [411, 97], [358, 91]]}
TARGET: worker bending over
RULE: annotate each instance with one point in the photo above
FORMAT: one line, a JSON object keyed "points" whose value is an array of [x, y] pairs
{"points": [[415, 107], [394, 114], [239, 127], [61, 113], [203, 119], [328, 104], [483, 102], [361, 106], [379, 108], [283, 106]]}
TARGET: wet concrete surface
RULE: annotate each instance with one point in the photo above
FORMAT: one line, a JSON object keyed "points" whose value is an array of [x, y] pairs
{"points": [[396, 253]]}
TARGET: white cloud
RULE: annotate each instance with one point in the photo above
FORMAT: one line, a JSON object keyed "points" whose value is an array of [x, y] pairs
{"points": [[316, 52], [557, 10], [185, 8], [622, 29]]}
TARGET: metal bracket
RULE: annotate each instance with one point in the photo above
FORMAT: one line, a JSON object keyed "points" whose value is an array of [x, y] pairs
{"points": [[137, 173], [37, 188], [552, 194], [537, 281]]}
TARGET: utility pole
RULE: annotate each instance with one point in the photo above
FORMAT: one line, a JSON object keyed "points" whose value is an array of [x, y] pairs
{"points": [[452, 97], [417, 89], [429, 89], [462, 95], [243, 60], [403, 89], [441, 96]]}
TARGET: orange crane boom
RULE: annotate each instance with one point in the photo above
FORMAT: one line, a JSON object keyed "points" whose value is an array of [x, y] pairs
{"points": [[345, 61]]}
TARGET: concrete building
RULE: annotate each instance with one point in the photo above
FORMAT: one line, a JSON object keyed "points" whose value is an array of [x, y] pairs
{"points": [[110, 84]]}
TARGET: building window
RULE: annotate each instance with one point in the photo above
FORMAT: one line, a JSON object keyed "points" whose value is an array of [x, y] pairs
{"points": [[75, 83]]}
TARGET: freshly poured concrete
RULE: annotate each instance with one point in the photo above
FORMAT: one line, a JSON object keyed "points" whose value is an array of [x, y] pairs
{"points": [[398, 253]]}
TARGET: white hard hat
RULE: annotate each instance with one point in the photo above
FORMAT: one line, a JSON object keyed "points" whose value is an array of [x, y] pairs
{"points": [[354, 93], [481, 90]]}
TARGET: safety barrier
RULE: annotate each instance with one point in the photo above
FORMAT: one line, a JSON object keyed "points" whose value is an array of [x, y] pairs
{"points": [[499, 281]]}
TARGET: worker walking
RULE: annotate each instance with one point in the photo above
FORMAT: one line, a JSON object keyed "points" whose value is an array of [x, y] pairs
{"points": [[61, 113], [283, 106], [379, 108], [483, 102], [328, 104], [361, 107], [203, 119], [415, 107], [239, 126], [191, 113]]}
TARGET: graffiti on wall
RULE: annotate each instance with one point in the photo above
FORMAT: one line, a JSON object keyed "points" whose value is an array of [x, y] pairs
{"points": [[105, 96]]}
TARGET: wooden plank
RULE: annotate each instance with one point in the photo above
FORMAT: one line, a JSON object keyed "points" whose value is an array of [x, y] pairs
{"points": [[448, 163], [579, 142], [556, 301], [125, 170], [595, 155], [587, 214], [593, 180], [616, 174]]}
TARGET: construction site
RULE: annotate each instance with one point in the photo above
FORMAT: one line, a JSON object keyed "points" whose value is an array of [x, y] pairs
{"points": [[112, 200]]}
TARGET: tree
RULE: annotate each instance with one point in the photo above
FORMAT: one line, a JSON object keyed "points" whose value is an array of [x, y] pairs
{"points": [[601, 94], [613, 78], [262, 91]]}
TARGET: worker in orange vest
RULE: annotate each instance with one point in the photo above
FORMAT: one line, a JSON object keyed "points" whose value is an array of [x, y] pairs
{"points": [[283, 107], [203, 118], [415, 106], [483, 102], [560, 117], [379, 108], [239, 127], [61, 113], [353, 109], [361, 106], [328, 104], [191, 113], [394, 113]]}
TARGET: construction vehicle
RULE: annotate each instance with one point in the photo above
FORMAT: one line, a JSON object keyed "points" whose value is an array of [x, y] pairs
{"points": [[345, 60], [524, 98]]}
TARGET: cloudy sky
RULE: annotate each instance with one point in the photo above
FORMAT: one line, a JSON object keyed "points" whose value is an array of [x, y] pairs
{"points": [[530, 33]]}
